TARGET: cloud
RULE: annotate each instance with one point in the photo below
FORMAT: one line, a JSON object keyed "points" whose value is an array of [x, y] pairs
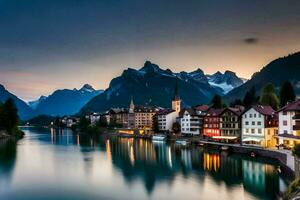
{"points": [[251, 40]]}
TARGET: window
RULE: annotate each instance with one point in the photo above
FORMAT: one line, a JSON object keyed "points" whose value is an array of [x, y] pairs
{"points": [[284, 113], [250, 115], [259, 130], [252, 130], [247, 123], [284, 122], [245, 115], [253, 123], [247, 130], [254, 115], [259, 123]]}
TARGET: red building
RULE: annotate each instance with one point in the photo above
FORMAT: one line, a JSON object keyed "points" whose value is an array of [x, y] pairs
{"points": [[211, 126]]}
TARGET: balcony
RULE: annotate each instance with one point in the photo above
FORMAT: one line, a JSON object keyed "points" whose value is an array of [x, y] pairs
{"points": [[296, 127], [296, 117]]}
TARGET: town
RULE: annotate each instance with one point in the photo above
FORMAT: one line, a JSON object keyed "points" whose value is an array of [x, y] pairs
{"points": [[258, 125]]}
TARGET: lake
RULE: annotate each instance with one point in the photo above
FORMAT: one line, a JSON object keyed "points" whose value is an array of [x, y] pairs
{"points": [[59, 164]]}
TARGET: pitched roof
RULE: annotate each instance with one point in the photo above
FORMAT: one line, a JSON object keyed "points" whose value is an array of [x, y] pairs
{"points": [[189, 110], [264, 110], [235, 110], [215, 112], [292, 106], [164, 112], [202, 108]]}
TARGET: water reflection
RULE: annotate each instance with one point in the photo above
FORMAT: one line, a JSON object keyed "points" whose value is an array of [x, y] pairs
{"points": [[153, 164], [8, 151]]}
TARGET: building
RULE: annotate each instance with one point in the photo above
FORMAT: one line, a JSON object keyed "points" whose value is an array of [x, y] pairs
{"points": [[260, 126], [211, 125], [201, 111], [119, 116], [230, 124], [143, 117], [93, 117], [167, 117], [289, 124], [189, 121]]}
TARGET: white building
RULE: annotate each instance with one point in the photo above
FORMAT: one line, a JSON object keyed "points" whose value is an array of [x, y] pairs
{"points": [[289, 124], [259, 126], [166, 119], [189, 121]]}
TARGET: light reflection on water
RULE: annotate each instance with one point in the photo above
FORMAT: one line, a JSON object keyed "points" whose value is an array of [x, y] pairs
{"points": [[52, 164]]}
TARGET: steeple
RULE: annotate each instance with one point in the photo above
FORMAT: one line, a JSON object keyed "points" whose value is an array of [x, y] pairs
{"points": [[176, 99], [131, 106]]}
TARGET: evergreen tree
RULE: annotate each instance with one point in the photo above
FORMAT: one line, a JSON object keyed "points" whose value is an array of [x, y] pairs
{"points": [[269, 97], [216, 102], [9, 119], [287, 93], [250, 98], [236, 102], [176, 127]]}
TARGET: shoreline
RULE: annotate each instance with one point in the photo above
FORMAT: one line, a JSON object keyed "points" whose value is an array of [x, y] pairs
{"points": [[285, 159]]}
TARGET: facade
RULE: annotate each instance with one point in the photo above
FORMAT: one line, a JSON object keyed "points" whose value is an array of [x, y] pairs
{"points": [[260, 126], [289, 124], [165, 119], [119, 116], [201, 111], [211, 126], [230, 124], [189, 121], [143, 117], [93, 118]]}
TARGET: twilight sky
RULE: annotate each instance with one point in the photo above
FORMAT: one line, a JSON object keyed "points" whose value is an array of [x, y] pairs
{"points": [[51, 44]]}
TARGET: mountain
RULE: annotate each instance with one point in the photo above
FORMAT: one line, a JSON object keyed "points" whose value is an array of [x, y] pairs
{"points": [[34, 104], [151, 85], [24, 111], [65, 102], [276, 72], [227, 81]]}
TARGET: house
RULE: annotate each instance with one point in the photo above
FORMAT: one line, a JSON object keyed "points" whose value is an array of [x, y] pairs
{"points": [[230, 124], [167, 117], [260, 126], [189, 121], [211, 125], [93, 118], [289, 124], [119, 116], [201, 111]]}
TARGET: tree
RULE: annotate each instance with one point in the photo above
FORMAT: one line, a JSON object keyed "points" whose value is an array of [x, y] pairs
{"points": [[9, 119], [83, 123], [236, 102], [176, 127], [216, 102], [250, 98], [286, 93], [269, 97]]}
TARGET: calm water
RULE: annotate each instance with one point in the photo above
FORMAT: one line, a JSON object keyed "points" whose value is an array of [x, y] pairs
{"points": [[62, 165]]}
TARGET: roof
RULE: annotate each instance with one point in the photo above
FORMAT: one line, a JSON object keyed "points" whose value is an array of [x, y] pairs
{"points": [[215, 112], [139, 108], [236, 110], [264, 110], [189, 110], [164, 112], [202, 108], [292, 106]]}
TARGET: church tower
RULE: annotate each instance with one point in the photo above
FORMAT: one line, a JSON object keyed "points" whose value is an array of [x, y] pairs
{"points": [[131, 106], [176, 99]]}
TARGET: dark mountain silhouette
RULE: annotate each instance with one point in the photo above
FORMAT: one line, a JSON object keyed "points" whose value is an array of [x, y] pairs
{"points": [[276, 72]]}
